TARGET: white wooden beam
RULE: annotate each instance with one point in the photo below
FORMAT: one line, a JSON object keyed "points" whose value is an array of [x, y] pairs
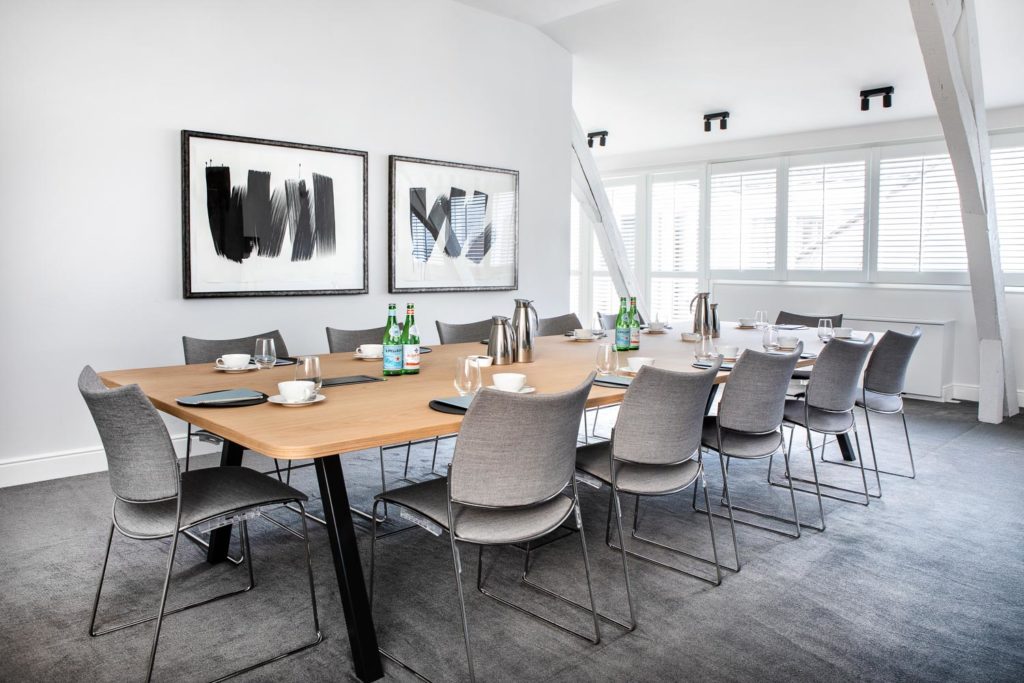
{"points": [[948, 34], [593, 198]]}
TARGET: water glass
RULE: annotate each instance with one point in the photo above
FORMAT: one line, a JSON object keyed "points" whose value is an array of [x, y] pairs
{"points": [[705, 349], [825, 331], [761, 319], [467, 376], [307, 368], [770, 338], [266, 353], [607, 359]]}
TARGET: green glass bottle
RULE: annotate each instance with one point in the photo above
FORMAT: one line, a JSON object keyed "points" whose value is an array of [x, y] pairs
{"points": [[634, 325], [410, 343], [622, 327], [392, 344]]}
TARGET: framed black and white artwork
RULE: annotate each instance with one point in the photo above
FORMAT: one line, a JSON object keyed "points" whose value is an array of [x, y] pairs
{"points": [[452, 227], [270, 218]]}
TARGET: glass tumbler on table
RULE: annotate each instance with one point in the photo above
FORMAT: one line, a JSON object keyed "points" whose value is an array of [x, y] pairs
{"points": [[825, 331], [705, 350], [307, 368], [760, 319], [467, 376], [607, 359], [770, 338], [266, 353]]}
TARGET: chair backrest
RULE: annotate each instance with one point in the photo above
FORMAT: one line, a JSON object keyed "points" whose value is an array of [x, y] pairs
{"points": [[560, 324], [755, 395], [836, 375], [208, 350], [140, 458], [886, 372], [450, 333], [517, 450], [607, 320], [787, 318], [662, 415], [343, 341]]}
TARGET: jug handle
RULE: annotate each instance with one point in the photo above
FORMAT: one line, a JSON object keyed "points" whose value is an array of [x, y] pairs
{"points": [[691, 302]]}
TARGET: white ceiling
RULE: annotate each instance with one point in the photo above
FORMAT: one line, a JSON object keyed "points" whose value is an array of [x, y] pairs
{"points": [[647, 70]]}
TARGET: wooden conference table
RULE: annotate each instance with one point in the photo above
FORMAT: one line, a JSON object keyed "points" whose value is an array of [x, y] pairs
{"points": [[361, 416]]}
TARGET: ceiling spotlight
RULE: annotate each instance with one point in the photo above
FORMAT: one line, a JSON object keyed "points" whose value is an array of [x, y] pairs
{"points": [[722, 117], [885, 93], [602, 134]]}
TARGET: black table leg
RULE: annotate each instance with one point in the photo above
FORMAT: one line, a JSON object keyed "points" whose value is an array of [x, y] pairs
{"points": [[220, 538], [362, 637], [711, 399], [846, 446]]}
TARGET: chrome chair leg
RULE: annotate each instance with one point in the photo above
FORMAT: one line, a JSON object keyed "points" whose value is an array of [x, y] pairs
{"points": [[818, 484], [163, 603], [457, 563], [874, 460]]}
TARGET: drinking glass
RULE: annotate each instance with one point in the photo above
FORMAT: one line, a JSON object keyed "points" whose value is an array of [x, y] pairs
{"points": [[705, 349], [770, 338], [266, 354], [467, 376], [607, 359], [825, 329], [761, 319], [307, 368]]}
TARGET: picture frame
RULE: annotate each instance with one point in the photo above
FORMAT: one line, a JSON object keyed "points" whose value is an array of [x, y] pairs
{"points": [[296, 225], [452, 227]]}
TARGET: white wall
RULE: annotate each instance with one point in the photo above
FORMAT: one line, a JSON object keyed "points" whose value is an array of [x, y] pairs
{"points": [[908, 302], [94, 96]]}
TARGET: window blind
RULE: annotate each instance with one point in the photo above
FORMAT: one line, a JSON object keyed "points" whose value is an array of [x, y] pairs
{"points": [[919, 223], [670, 297], [743, 221], [675, 225], [623, 201], [1008, 184], [826, 217]]}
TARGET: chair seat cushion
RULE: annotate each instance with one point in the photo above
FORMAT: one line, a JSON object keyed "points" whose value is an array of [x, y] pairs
{"points": [[880, 403], [205, 493], [478, 525], [820, 420], [739, 444], [639, 478]]}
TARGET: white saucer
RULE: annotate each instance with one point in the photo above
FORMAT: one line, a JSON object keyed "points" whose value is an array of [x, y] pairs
{"points": [[729, 359], [279, 400], [247, 368], [746, 327], [583, 339], [524, 390], [359, 356], [655, 331]]}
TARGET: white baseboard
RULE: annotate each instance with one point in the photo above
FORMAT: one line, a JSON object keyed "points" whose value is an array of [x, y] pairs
{"points": [[970, 392], [31, 469]]}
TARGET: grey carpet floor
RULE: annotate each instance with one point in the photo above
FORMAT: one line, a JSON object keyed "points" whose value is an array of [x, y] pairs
{"points": [[925, 584]]}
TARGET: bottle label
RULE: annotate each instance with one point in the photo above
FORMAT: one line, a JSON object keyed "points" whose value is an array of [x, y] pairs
{"points": [[622, 338], [392, 357], [634, 337], [411, 357]]}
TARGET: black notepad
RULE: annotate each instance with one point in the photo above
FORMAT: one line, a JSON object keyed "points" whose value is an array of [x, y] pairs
{"points": [[614, 381], [351, 379], [456, 405], [705, 365], [228, 398]]}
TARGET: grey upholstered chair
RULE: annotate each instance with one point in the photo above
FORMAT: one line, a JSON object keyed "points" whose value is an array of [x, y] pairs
{"points": [[506, 485], [653, 452], [881, 394], [748, 427], [608, 320], [787, 318], [827, 409], [200, 351], [344, 341], [154, 500], [560, 324], [450, 333]]}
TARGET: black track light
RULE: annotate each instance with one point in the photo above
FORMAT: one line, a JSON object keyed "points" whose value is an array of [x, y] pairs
{"points": [[885, 93], [722, 117], [602, 136], [707, 125], [865, 104]]}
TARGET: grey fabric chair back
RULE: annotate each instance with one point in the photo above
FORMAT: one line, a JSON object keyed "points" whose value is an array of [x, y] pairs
{"points": [[457, 334], [209, 350], [140, 458], [662, 415], [607, 320], [516, 450], [560, 324], [755, 395], [836, 375], [787, 318], [343, 341], [886, 372]]}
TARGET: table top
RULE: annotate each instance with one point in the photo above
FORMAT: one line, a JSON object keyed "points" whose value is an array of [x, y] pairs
{"points": [[359, 416]]}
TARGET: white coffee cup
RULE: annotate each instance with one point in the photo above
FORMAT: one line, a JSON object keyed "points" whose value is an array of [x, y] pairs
{"points": [[583, 334], [371, 350], [729, 352], [509, 381], [233, 361], [297, 391], [481, 361], [657, 325], [746, 322], [637, 362], [787, 342], [843, 332]]}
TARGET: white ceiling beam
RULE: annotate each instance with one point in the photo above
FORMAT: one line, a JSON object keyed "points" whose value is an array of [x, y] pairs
{"points": [[948, 35]]}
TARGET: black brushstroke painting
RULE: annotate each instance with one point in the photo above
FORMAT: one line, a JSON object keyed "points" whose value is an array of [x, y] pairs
{"points": [[302, 244], [455, 218], [323, 203]]}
